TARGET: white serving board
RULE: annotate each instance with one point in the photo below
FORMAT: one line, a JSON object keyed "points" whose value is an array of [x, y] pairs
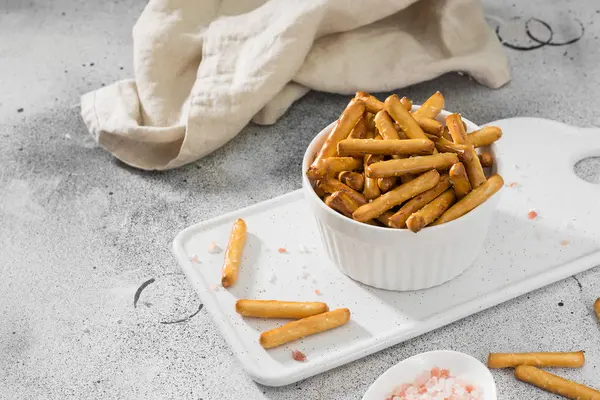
{"points": [[520, 255]]}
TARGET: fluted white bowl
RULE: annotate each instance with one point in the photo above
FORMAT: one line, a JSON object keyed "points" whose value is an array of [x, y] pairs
{"points": [[398, 259]]}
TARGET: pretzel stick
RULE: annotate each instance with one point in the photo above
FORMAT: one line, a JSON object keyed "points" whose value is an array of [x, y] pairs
{"points": [[233, 254], [473, 199], [555, 384], [279, 309], [565, 360], [304, 327], [394, 197]]}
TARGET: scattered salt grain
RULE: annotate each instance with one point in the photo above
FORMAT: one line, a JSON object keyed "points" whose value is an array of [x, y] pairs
{"points": [[298, 355], [302, 248], [314, 281], [68, 136], [213, 248], [214, 288]]}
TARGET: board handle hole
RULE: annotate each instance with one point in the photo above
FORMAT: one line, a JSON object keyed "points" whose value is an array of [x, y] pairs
{"points": [[588, 169]]}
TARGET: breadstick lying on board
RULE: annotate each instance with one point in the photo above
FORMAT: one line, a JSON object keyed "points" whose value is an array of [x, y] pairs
{"points": [[304, 327], [279, 309], [233, 254]]}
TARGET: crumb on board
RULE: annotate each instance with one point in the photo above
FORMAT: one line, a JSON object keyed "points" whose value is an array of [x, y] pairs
{"points": [[317, 292], [213, 248], [282, 250], [532, 214], [298, 355], [513, 184], [194, 258], [214, 288], [564, 242]]}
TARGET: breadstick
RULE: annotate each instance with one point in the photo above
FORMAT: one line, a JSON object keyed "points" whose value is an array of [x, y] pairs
{"points": [[555, 384], [394, 197], [407, 103], [279, 309], [304, 327], [413, 165], [385, 218], [429, 125], [360, 129], [353, 179], [432, 106], [330, 185], [486, 159], [446, 134], [485, 136], [471, 200], [233, 254], [597, 307], [473, 167], [360, 147], [372, 104], [342, 202], [385, 126], [446, 146], [332, 166], [403, 118], [398, 220], [370, 122], [386, 184], [431, 211], [341, 130], [371, 189], [459, 180], [506, 360], [456, 128]]}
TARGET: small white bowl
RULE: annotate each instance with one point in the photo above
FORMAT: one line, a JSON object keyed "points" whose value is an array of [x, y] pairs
{"points": [[398, 259], [460, 365]]}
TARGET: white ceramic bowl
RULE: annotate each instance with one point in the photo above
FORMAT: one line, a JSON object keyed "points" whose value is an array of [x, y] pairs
{"points": [[398, 259], [460, 365]]}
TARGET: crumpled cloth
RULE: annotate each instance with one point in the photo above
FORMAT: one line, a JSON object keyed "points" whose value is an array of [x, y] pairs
{"points": [[205, 68]]}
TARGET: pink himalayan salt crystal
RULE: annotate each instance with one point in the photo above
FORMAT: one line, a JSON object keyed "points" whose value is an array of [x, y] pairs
{"points": [[436, 384]]}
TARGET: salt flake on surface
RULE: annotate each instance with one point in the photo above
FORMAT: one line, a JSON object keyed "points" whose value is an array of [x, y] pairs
{"points": [[305, 275], [214, 288], [298, 355], [532, 214], [68, 136], [302, 249], [213, 248]]}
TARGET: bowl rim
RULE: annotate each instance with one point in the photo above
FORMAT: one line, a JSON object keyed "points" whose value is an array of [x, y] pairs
{"points": [[380, 229]]}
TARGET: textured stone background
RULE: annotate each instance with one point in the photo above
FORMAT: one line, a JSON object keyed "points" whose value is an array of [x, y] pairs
{"points": [[80, 232]]}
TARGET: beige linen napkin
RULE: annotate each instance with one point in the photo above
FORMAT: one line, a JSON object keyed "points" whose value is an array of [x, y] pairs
{"points": [[205, 68]]}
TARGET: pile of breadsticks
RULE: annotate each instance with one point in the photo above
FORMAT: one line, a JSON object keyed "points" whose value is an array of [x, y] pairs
{"points": [[527, 370], [310, 317], [387, 166]]}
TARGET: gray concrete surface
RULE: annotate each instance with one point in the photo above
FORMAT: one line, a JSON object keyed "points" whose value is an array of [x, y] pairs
{"points": [[80, 232]]}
